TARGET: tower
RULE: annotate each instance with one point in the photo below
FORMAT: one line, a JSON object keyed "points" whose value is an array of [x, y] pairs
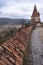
{"points": [[35, 16]]}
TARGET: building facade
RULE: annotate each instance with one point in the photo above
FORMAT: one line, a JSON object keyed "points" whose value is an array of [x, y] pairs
{"points": [[35, 16]]}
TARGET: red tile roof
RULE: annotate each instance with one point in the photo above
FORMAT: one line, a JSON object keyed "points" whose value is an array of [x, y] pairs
{"points": [[35, 12], [15, 48]]}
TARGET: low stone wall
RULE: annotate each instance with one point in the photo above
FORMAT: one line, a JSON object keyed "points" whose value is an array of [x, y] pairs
{"points": [[27, 53]]}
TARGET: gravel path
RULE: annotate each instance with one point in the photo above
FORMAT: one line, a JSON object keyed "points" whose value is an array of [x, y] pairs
{"points": [[37, 48]]}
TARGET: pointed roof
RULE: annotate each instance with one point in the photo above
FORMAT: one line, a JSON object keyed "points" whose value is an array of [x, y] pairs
{"points": [[35, 12]]}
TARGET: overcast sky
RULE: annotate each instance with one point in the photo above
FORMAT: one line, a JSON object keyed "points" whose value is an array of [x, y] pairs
{"points": [[20, 8]]}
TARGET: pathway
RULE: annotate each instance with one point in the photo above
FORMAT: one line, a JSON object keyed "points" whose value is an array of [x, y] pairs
{"points": [[37, 48]]}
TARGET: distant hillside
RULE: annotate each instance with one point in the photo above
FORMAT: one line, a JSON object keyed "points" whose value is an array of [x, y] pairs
{"points": [[15, 21]]}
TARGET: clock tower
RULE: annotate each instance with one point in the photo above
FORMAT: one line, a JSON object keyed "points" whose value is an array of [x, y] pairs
{"points": [[35, 16]]}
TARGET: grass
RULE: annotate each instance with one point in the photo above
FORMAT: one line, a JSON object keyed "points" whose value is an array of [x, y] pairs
{"points": [[27, 53]]}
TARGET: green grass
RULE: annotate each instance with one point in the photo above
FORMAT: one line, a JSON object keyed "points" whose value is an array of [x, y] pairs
{"points": [[27, 53]]}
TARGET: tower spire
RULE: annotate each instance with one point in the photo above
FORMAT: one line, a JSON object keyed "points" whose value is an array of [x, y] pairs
{"points": [[35, 15], [35, 12]]}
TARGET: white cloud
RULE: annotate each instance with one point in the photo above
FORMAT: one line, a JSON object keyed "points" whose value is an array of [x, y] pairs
{"points": [[20, 8]]}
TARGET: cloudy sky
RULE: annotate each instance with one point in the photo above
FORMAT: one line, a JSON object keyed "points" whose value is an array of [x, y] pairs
{"points": [[20, 8]]}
